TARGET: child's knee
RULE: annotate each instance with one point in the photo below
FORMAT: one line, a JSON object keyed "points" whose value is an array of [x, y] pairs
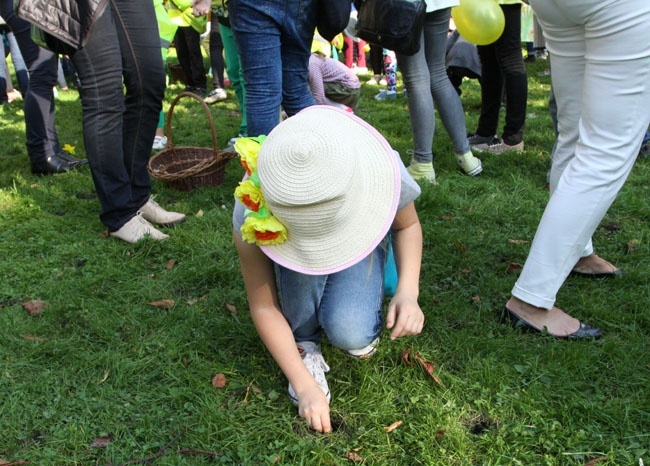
{"points": [[348, 335]]}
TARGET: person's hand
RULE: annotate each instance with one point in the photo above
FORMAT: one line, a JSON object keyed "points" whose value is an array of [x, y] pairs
{"points": [[201, 7], [404, 316], [313, 406]]}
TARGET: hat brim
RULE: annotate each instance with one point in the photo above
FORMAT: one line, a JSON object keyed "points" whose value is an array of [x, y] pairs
{"points": [[369, 206]]}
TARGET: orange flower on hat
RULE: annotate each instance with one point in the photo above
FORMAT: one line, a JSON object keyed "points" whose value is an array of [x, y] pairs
{"points": [[263, 229], [248, 149], [260, 226], [249, 193]]}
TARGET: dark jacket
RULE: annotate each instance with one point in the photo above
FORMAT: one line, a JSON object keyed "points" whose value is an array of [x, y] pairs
{"points": [[67, 20]]}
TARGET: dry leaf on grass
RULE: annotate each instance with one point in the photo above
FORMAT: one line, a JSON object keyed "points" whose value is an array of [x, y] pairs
{"points": [[170, 264], [427, 366], [193, 301], [163, 303], [460, 246], [12, 463], [199, 214], [476, 299], [518, 241], [596, 461], [106, 372], [32, 338], [219, 381], [232, 309], [354, 456], [631, 246], [35, 307], [102, 442], [514, 267], [393, 426]]}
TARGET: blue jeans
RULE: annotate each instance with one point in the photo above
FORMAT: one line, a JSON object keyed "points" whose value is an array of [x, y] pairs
{"points": [[426, 81], [123, 50], [19, 64], [40, 132], [346, 305], [274, 41]]}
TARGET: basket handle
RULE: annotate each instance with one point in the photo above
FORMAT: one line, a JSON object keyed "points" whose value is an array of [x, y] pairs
{"points": [[168, 123]]}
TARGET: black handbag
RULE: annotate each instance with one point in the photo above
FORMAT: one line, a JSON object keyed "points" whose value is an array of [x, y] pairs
{"points": [[393, 24], [333, 17]]}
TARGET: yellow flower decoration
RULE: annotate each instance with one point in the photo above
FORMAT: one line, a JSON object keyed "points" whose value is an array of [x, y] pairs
{"points": [[263, 230], [248, 149], [249, 194], [260, 226]]}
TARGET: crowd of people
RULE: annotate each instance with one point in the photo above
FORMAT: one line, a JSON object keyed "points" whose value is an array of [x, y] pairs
{"points": [[324, 193]]}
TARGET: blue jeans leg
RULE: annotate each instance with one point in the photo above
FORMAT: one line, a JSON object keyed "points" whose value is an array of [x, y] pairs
{"points": [[123, 51], [428, 87], [274, 40], [40, 131], [345, 305]]}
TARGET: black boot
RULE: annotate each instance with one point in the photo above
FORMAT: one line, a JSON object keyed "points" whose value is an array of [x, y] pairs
{"points": [[68, 158], [53, 165]]}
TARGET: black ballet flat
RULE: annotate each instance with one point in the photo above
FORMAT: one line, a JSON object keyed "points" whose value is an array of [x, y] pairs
{"points": [[583, 332], [613, 274]]}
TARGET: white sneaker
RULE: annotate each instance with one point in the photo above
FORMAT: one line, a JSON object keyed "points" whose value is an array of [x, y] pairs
{"points": [[152, 212], [159, 143], [216, 95], [136, 229], [313, 360], [469, 164], [366, 351]]}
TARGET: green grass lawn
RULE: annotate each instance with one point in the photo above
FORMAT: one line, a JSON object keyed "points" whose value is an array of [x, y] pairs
{"points": [[102, 377]]}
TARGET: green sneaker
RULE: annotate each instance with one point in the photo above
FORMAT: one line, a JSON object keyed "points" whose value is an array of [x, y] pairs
{"points": [[469, 164], [422, 172]]}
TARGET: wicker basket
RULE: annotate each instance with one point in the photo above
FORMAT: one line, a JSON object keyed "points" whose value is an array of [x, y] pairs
{"points": [[185, 168]]}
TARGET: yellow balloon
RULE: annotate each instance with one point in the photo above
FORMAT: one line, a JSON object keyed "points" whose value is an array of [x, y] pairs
{"points": [[479, 21]]}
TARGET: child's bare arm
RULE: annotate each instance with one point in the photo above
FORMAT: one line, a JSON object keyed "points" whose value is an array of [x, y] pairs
{"points": [[273, 329], [404, 314]]}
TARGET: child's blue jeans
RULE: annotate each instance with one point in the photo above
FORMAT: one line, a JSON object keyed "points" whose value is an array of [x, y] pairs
{"points": [[346, 305]]}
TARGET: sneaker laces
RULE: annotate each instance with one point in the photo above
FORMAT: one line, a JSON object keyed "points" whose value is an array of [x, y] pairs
{"points": [[152, 199], [143, 223], [317, 366]]}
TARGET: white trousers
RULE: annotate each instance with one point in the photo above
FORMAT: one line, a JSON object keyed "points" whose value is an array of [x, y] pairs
{"points": [[600, 62]]}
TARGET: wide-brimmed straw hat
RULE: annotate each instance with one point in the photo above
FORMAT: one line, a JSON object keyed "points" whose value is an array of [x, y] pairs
{"points": [[334, 182]]}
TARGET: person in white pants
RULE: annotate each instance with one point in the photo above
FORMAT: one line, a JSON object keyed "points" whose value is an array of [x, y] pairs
{"points": [[600, 52]]}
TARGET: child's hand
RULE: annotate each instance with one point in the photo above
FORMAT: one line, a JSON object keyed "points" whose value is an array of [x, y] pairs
{"points": [[313, 406], [404, 316]]}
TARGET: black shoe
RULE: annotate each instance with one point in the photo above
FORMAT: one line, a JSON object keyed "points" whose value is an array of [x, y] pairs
{"points": [[68, 158], [200, 91], [53, 165], [584, 331], [613, 274]]}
